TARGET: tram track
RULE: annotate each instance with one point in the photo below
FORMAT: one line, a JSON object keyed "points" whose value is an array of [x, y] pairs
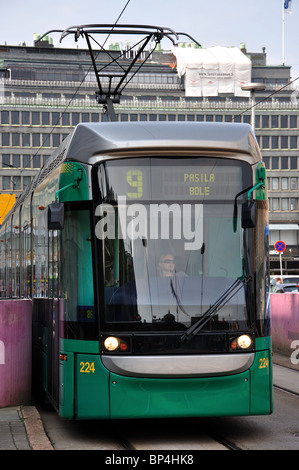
{"points": [[206, 439], [282, 389], [217, 441], [225, 442], [285, 379]]}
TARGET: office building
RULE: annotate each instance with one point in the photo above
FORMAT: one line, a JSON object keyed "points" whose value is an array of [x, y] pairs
{"points": [[45, 91]]}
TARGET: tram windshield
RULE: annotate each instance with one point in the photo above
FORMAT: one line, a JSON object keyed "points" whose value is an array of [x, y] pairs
{"points": [[169, 246]]}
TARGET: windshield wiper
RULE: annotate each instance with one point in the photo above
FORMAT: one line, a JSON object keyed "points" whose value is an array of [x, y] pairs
{"points": [[213, 309]]}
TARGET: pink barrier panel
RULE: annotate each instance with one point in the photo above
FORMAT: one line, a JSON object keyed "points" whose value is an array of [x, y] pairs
{"points": [[15, 352], [284, 321]]}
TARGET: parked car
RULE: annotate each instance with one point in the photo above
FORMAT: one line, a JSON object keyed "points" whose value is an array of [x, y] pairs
{"points": [[283, 288]]}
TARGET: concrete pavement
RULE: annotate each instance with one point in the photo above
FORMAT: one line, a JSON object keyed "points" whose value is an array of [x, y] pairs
{"points": [[21, 428]]}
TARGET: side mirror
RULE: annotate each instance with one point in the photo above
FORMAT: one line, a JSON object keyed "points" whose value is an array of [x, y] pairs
{"points": [[249, 214], [56, 216]]}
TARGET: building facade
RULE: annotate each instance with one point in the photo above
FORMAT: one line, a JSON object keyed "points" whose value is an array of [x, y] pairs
{"points": [[46, 91]]}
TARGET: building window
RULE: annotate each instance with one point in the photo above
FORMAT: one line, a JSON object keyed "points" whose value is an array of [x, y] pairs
{"points": [[25, 117], [46, 119], [16, 181], [265, 142], [94, 117], [5, 160], [6, 182], [275, 184], [75, 119], [284, 183], [26, 181], [26, 161], [26, 140], [284, 204], [293, 122], [44, 159], [294, 204], [5, 139], [4, 117], [283, 122], [16, 161], [284, 142], [265, 122], [267, 162], [275, 204], [66, 119], [274, 163], [35, 118], [15, 117], [293, 165], [15, 140], [274, 140], [56, 140], [274, 122], [36, 161], [35, 140], [293, 142], [284, 163], [294, 183], [46, 140]]}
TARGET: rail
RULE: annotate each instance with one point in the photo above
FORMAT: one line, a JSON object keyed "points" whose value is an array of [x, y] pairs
{"points": [[155, 103], [89, 82]]}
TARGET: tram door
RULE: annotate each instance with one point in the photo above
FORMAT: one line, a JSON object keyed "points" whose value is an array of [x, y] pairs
{"points": [[54, 314]]}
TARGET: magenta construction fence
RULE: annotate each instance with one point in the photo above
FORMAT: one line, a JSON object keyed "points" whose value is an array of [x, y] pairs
{"points": [[285, 322], [15, 352]]}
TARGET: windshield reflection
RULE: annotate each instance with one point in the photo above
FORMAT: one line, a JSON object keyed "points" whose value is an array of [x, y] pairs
{"points": [[165, 264]]}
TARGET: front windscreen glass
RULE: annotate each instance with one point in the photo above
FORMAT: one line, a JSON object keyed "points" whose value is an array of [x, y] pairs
{"points": [[169, 248]]}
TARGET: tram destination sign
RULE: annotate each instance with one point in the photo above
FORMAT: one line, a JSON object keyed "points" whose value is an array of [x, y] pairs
{"points": [[149, 182]]}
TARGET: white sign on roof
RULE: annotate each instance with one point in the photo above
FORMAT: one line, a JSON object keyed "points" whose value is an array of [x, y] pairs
{"points": [[213, 71]]}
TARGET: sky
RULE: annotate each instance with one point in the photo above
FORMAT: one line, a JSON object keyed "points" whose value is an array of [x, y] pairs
{"points": [[257, 23]]}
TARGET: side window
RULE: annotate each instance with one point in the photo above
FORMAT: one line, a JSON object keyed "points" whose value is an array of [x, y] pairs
{"points": [[77, 272], [41, 254]]}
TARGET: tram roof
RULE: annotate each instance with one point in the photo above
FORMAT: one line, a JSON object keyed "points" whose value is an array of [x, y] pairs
{"points": [[90, 139]]}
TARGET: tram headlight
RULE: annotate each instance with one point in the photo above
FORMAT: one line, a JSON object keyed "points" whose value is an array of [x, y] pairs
{"points": [[244, 341], [111, 343]]}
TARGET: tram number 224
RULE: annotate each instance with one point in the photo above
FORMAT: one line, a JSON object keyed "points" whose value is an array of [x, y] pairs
{"points": [[87, 367], [264, 362]]}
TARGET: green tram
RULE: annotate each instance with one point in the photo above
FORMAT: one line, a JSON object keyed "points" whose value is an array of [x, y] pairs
{"points": [[144, 250]]}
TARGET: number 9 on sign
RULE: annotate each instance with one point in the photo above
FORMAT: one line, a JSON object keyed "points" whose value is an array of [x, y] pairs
{"points": [[135, 180]]}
